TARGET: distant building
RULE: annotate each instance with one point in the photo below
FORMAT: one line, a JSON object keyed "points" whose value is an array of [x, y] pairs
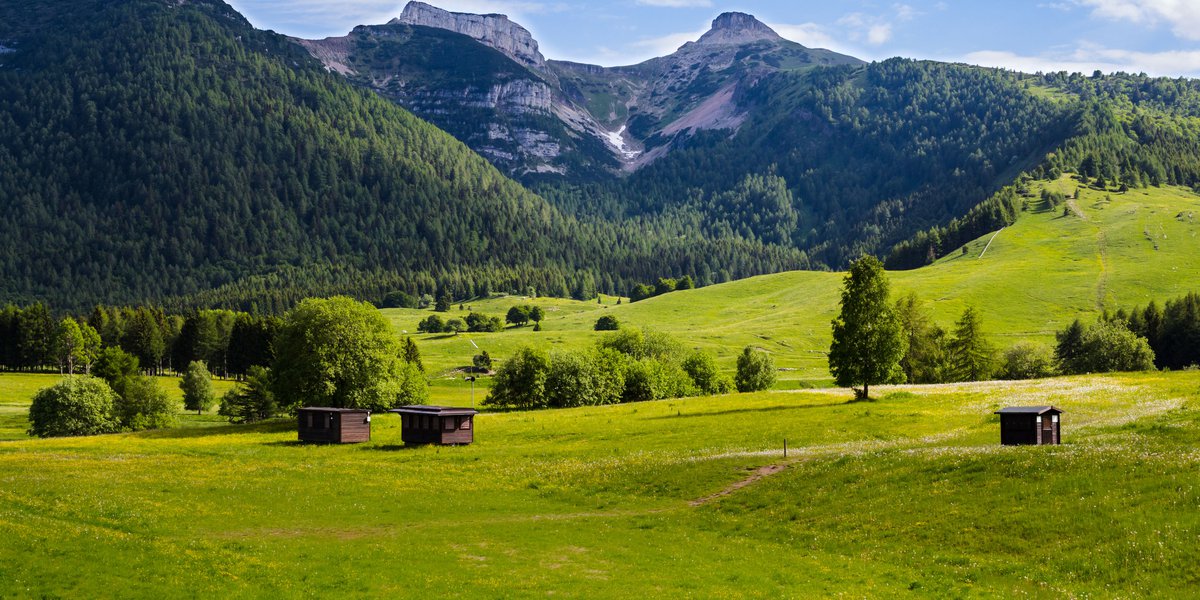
{"points": [[334, 425], [1030, 426], [441, 425]]}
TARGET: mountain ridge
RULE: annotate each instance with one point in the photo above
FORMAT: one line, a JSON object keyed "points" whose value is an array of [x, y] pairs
{"points": [[597, 133]]}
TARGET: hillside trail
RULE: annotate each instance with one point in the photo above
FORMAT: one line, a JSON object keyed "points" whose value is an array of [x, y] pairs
{"points": [[758, 475], [1102, 283]]}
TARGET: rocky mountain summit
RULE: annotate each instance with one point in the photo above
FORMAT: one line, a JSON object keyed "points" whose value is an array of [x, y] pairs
{"points": [[483, 79], [494, 31], [738, 28]]}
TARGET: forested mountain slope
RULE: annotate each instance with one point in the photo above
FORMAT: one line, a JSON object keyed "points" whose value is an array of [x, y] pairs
{"points": [[153, 149]]}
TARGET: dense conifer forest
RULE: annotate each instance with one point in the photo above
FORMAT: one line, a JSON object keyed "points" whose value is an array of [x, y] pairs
{"points": [[157, 151]]}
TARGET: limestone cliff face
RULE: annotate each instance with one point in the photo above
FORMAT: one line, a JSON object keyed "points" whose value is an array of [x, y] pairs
{"points": [[495, 31]]}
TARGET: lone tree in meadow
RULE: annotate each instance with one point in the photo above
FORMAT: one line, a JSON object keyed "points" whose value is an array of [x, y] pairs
{"points": [[868, 340], [343, 354], [197, 387]]}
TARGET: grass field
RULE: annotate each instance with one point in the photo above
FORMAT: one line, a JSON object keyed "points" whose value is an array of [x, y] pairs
{"points": [[909, 493], [1116, 250]]}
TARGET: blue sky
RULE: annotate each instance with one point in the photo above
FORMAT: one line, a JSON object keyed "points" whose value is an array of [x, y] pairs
{"points": [[1159, 37]]}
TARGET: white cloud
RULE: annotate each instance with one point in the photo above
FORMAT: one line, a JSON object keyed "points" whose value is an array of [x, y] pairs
{"points": [[1182, 15], [1089, 57], [879, 34], [677, 3], [807, 34]]}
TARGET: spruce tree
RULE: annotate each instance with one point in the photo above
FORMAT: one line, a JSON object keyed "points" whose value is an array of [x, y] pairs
{"points": [[868, 341]]}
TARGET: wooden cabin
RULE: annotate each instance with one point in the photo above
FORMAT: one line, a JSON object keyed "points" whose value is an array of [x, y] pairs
{"points": [[440, 425], [1030, 426], [334, 425]]}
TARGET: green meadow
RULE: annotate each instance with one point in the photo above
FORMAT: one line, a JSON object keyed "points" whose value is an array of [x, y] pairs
{"points": [[910, 493]]}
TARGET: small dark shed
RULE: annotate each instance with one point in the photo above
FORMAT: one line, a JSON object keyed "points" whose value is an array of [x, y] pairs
{"points": [[334, 425], [1029, 426], [436, 425]]}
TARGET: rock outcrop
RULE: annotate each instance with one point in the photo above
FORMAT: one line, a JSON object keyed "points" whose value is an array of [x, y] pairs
{"points": [[738, 28], [496, 31]]}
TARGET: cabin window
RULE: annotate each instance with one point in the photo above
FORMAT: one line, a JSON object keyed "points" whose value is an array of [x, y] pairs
{"points": [[308, 420], [1039, 420], [1054, 419], [466, 424], [448, 424]]}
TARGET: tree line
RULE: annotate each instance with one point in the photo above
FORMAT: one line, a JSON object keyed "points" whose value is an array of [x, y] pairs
{"points": [[31, 339], [333, 352]]}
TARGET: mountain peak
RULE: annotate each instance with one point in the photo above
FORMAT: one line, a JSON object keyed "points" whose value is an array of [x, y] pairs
{"points": [[738, 28], [492, 30]]}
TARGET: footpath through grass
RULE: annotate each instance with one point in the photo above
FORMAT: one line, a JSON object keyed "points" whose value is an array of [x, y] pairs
{"points": [[908, 492]]}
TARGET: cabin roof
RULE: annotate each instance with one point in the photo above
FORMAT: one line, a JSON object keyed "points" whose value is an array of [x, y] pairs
{"points": [[332, 410], [442, 411], [1027, 410]]}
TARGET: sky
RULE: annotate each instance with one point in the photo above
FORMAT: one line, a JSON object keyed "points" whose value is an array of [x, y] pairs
{"points": [[1157, 37]]}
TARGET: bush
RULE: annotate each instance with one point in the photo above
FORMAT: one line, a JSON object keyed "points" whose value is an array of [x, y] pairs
{"points": [[252, 400], [655, 379], [77, 405], [482, 361], [755, 371], [481, 323], [521, 381], [607, 323], [702, 368], [573, 379], [1027, 361], [143, 404], [431, 324], [1103, 348]]}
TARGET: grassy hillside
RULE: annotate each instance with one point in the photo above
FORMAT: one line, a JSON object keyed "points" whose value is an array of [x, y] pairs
{"points": [[665, 499], [1114, 250]]}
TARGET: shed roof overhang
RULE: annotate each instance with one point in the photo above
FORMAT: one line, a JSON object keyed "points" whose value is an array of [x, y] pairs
{"points": [[1028, 410]]}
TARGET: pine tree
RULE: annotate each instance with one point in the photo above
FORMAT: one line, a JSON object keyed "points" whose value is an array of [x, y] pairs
{"points": [[868, 340], [972, 358]]}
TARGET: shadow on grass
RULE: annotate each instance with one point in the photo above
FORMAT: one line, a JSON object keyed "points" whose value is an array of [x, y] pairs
{"points": [[274, 426], [739, 411], [295, 443], [390, 448]]}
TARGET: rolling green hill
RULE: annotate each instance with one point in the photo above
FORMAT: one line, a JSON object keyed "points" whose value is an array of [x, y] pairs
{"points": [[1114, 250]]}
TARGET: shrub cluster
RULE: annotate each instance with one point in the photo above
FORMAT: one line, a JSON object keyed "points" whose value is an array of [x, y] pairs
{"points": [[627, 366]]}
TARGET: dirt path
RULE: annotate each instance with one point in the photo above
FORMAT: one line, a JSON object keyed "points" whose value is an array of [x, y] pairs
{"points": [[989, 244], [758, 475], [1102, 284]]}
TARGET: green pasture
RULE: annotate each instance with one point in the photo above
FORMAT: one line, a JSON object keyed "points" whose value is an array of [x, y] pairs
{"points": [[18, 389], [1115, 251], [909, 494]]}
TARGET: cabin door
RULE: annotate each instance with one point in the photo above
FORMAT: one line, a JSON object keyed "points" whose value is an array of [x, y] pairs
{"points": [[1048, 431]]}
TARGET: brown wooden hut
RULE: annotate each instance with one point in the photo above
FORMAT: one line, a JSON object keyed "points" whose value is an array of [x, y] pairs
{"points": [[440, 425], [1030, 426], [334, 425]]}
